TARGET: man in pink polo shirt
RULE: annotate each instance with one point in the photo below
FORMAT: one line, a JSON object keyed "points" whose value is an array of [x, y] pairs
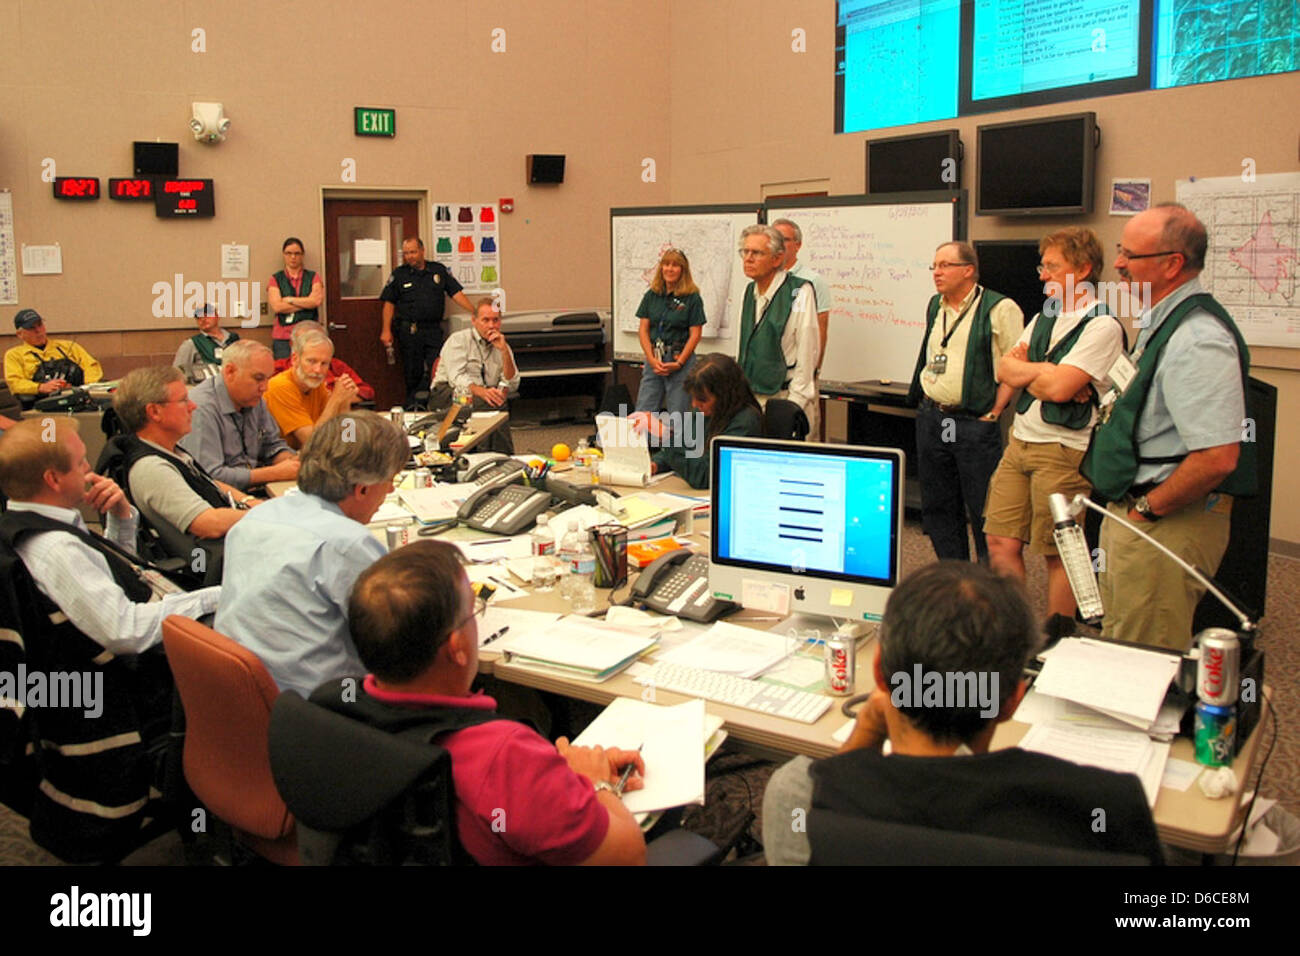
{"points": [[519, 799]]}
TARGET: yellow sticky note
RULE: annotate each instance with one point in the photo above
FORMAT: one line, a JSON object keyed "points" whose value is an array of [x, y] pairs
{"points": [[841, 597]]}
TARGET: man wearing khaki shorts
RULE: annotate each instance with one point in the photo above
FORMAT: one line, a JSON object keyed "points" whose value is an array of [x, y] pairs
{"points": [[1060, 363]]}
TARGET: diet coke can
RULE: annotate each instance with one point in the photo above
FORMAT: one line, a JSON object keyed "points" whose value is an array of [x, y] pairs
{"points": [[397, 414], [841, 665], [396, 535], [1218, 672], [422, 478]]}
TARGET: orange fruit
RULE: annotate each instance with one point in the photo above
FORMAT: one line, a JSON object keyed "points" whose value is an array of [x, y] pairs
{"points": [[560, 451]]}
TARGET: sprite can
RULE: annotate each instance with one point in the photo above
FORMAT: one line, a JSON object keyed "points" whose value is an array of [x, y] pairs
{"points": [[1216, 732]]}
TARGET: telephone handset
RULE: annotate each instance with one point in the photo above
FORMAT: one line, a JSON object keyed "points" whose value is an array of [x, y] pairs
{"points": [[678, 583], [490, 466], [504, 506]]}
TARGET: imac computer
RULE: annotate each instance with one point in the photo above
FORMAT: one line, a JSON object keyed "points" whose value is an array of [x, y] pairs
{"points": [[805, 529]]}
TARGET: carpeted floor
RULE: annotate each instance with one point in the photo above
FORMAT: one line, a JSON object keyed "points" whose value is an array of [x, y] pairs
{"points": [[736, 782]]}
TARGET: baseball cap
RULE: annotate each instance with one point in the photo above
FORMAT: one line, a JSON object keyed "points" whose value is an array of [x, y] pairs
{"points": [[27, 319], [207, 309]]}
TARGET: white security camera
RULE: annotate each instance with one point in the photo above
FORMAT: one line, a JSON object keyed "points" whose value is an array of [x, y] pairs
{"points": [[209, 124]]}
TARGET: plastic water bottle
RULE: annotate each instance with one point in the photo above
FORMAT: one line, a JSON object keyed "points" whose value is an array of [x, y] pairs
{"points": [[567, 553], [392, 356], [543, 548], [584, 575]]}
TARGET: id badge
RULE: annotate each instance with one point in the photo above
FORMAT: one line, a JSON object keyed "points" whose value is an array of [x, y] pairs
{"points": [[659, 351], [1122, 372], [413, 328], [938, 364]]}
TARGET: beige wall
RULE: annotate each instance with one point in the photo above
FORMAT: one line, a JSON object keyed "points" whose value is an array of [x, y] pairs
{"points": [[607, 82], [748, 127]]}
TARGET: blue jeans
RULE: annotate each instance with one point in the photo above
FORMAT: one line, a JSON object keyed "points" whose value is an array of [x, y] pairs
{"points": [[956, 455], [664, 391]]}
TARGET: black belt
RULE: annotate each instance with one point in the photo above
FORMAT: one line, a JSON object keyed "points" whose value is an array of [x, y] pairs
{"points": [[927, 402]]}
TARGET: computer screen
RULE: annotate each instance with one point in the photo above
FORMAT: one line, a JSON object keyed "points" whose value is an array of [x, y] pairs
{"points": [[805, 528]]}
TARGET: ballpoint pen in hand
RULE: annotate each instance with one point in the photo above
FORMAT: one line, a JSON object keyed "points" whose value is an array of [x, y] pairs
{"points": [[627, 772]]}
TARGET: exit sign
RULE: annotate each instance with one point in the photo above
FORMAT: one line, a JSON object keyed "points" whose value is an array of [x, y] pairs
{"points": [[374, 122]]}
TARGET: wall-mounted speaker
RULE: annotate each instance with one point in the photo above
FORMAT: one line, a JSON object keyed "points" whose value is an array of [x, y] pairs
{"points": [[545, 168]]}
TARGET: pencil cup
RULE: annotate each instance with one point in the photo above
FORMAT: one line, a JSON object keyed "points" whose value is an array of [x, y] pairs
{"points": [[609, 541]]}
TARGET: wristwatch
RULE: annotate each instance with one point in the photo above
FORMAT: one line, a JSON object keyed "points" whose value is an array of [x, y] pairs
{"points": [[1143, 507], [604, 785]]}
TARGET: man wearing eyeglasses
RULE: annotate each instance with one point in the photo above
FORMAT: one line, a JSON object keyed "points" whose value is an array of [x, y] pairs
{"points": [[959, 400], [778, 325], [1169, 453]]}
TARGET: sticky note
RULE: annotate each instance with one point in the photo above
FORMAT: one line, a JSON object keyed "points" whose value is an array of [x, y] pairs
{"points": [[841, 597], [765, 596]]}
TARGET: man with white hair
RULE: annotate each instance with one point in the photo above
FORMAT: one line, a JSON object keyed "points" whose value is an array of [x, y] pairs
{"points": [[778, 325], [298, 397]]}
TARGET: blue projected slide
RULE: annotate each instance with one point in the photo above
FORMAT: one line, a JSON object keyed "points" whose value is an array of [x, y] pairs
{"points": [[1023, 46], [901, 60], [822, 513]]}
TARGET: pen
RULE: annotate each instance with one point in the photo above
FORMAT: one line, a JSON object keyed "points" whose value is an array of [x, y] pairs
{"points": [[496, 635], [627, 772], [508, 587], [475, 544]]}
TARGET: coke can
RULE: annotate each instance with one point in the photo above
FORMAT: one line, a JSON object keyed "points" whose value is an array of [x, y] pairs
{"points": [[1216, 732], [397, 415], [423, 478], [1218, 672], [841, 665]]}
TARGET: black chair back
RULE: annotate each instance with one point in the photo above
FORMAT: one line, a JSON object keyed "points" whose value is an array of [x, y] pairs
{"points": [[785, 420]]}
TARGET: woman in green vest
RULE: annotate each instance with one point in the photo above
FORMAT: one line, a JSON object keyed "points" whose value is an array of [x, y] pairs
{"points": [[672, 319], [294, 294], [726, 405]]}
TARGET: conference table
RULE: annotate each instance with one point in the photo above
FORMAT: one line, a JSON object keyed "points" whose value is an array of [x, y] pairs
{"points": [[1186, 819]]}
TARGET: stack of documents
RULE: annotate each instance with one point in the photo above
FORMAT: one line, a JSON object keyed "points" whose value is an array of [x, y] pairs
{"points": [[731, 649], [672, 741], [578, 647], [626, 452], [437, 504], [1103, 705]]}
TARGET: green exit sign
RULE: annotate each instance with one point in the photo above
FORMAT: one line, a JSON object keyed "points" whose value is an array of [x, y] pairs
{"points": [[375, 122]]}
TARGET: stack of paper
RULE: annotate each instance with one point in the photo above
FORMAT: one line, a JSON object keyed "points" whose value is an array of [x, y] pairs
{"points": [[626, 452], [1123, 751], [437, 504], [672, 743], [1128, 683], [578, 647], [731, 649]]}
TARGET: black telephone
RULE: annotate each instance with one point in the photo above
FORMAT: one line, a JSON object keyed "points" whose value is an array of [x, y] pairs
{"points": [[678, 583], [491, 466], [504, 505]]}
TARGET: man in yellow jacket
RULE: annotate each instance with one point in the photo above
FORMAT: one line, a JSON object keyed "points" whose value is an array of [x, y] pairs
{"points": [[41, 365]]}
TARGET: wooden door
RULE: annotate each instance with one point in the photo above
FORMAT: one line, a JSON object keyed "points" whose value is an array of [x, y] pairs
{"points": [[352, 289]]}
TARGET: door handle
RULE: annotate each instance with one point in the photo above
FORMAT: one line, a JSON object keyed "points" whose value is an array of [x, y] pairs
{"points": [[336, 325]]}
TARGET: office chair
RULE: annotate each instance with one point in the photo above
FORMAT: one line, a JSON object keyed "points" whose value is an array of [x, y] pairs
{"points": [[366, 797], [227, 695], [361, 796], [785, 420], [839, 839], [164, 545]]}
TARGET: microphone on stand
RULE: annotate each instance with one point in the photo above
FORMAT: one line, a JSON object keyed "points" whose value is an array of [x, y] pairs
{"points": [[1075, 556]]}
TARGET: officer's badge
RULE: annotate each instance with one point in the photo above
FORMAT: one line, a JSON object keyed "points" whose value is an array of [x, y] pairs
{"points": [[437, 278]]}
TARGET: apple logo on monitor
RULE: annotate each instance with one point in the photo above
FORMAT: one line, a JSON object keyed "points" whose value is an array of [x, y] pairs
{"points": [[798, 594]]}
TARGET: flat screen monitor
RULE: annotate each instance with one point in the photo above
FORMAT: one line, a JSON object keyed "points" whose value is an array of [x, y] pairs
{"points": [[925, 161], [808, 528], [1041, 167], [156, 159], [1010, 266]]}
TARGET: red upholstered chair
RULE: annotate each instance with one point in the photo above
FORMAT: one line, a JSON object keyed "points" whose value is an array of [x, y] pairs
{"points": [[227, 694]]}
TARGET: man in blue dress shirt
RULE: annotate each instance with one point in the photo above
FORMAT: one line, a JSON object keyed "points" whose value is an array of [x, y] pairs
{"points": [[291, 563]]}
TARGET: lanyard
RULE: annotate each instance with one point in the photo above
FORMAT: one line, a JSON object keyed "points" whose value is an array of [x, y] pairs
{"points": [[948, 333]]}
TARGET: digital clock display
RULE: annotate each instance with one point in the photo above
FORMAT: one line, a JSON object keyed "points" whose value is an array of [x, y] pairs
{"points": [[128, 189], [76, 187], [183, 197]]}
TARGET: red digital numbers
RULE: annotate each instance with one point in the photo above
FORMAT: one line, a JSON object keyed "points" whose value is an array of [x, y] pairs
{"points": [[185, 186], [76, 187], [187, 204], [130, 188]]}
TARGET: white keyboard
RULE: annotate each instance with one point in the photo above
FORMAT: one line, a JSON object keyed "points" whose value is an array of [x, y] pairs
{"points": [[726, 689]]}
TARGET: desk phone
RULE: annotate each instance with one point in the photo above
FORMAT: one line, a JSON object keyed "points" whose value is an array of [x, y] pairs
{"points": [[678, 583], [504, 505], [488, 466]]}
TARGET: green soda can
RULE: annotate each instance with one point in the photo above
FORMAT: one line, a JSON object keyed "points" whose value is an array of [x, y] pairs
{"points": [[1216, 730]]}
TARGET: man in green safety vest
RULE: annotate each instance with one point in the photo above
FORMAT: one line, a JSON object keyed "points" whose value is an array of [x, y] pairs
{"points": [[779, 341], [1169, 453]]}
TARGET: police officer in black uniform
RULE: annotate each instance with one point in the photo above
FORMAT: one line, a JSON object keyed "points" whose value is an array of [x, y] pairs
{"points": [[414, 293]]}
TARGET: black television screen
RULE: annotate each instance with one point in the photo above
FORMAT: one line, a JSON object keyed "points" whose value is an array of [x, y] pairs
{"points": [[1010, 266], [1042, 167], [157, 159], [924, 161]]}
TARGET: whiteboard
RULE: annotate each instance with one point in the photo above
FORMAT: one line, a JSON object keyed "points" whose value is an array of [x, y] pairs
{"points": [[875, 252], [1254, 234], [710, 238]]}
